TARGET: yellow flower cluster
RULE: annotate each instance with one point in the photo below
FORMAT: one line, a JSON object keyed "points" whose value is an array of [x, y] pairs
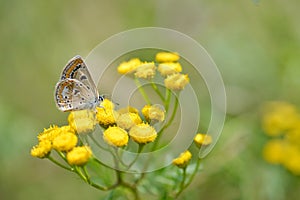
{"points": [[106, 115], [128, 123], [167, 65], [63, 139], [281, 121], [118, 125]]}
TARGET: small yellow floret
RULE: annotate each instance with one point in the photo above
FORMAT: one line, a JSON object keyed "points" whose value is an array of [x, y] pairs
{"points": [[106, 117], [50, 133], [154, 112], [129, 67], [274, 151], [169, 68], [42, 149], [176, 81], [127, 120], [107, 104], [202, 139], [291, 159], [167, 57], [82, 121], [79, 155], [145, 70], [115, 136], [65, 141], [128, 109], [183, 159], [143, 133], [279, 117]]}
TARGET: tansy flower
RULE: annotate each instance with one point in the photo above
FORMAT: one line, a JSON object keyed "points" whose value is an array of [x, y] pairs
{"points": [[129, 67], [183, 159], [291, 159], [143, 133], [42, 149], [154, 112], [279, 117], [293, 136], [82, 121], [167, 57], [127, 120], [202, 139], [79, 155], [115, 136], [169, 68], [274, 151], [145, 70], [50, 133], [106, 117], [65, 141], [176, 81], [127, 110], [107, 104]]}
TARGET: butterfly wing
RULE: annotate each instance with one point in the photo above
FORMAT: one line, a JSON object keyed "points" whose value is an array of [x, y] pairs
{"points": [[77, 69], [72, 94]]}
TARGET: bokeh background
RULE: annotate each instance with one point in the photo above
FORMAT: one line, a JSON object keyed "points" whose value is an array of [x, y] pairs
{"points": [[256, 45]]}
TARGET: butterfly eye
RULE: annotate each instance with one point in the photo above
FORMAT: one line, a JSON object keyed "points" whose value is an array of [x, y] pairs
{"points": [[101, 98]]}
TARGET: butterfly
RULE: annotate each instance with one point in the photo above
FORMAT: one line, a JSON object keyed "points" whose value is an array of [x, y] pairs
{"points": [[76, 89]]}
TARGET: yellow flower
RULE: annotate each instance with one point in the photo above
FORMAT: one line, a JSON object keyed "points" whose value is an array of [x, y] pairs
{"points": [[50, 133], [279, 117], [107, 104], [128, 109], [293, 136], [291, 159], [154, 112], [143, 133], [145, 70], [42, 149], [169, 68], [202, 139], [167, 57], [65, 141], [274, 151], [129, 67], [79, 155], [176, 81], [127, 120], [115, 136], [82, 121], [106, 117], [183, 159]]}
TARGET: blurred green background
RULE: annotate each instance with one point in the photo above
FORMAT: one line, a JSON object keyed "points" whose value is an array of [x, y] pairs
{"points": [[256, 46]]}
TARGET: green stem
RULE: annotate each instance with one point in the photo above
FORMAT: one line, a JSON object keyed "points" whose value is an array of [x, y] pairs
{"points": [[194, 173], [167, 99], [120, 158], [80, 174], [184, 186], [173, 114], [159, 134], [154, 86], [142, 91], [141, 146], [98, 145], [59, 164]]}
